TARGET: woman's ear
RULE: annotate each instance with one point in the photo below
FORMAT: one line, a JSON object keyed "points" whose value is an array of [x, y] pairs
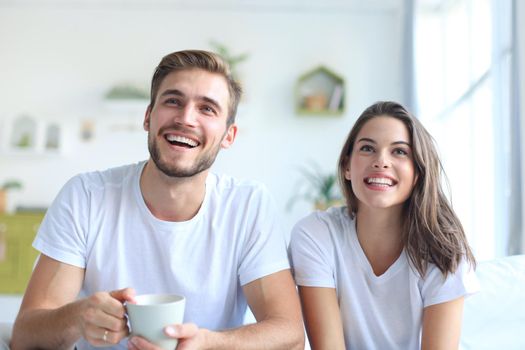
{"points": [[347, 169], [416, 177]]}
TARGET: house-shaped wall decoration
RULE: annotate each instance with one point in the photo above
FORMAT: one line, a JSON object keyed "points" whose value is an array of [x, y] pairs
{"points": [[320, 92]]}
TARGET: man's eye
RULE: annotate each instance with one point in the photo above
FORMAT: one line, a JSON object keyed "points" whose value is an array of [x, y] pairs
{"points": [[208, 109], [173, 101]]}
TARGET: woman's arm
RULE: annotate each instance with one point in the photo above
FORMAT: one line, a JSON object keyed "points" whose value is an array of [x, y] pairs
{"points": [[442, 325], [322, 318]]}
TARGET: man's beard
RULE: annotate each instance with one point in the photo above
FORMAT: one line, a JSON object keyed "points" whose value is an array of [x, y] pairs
{"points": [[202, 163]]}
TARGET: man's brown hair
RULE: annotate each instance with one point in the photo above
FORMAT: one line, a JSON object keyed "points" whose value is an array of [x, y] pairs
{"points": [[191, 59]]}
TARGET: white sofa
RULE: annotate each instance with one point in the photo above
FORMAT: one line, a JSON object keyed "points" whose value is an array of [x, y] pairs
{"points": [[5, 334], [493, 319]]}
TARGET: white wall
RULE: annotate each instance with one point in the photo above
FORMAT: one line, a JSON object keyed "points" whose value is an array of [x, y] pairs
{"points": [[57, 64]]}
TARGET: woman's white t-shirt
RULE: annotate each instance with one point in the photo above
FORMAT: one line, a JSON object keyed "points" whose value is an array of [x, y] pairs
{"points": [[377, 312]]}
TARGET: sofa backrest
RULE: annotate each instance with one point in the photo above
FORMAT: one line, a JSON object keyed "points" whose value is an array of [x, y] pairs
{"points": [[494, 318]]}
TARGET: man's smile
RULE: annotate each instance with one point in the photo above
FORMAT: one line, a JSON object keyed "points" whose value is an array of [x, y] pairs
{"points": [[178, 140]]}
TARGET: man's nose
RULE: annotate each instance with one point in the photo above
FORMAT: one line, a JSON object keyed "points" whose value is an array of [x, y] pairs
{"points": [[187, 115]]}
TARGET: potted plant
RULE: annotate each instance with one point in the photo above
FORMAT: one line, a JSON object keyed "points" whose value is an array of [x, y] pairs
{"points": [[232, 60], [7, 186], [319, 188], [126, 92]]}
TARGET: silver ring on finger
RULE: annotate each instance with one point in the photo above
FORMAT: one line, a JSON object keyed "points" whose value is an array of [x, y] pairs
{"points": [[105, 336]]}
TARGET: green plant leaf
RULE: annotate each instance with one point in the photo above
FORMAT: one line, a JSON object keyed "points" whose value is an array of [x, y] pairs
{"points": [[315, 187], [12, 185]]}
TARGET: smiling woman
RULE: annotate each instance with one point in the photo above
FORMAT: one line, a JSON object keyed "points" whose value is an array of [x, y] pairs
{"points": [[397, 248], [381, 167]]}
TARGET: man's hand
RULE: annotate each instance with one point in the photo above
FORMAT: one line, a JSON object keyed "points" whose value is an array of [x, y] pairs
{"points": [[102, 320], [189, 335], [51, 316]]}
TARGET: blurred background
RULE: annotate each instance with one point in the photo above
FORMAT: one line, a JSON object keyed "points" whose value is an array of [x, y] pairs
{"points": [[73, 75]]}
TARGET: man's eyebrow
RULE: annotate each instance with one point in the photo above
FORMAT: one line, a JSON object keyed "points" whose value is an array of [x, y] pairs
{"points": [[172, 92], [212, 102], [203, 98]]}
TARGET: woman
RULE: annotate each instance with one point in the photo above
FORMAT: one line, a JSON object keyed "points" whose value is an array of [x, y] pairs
{"points": [[391, 269]]}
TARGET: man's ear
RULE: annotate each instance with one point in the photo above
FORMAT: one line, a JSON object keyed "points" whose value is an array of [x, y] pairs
{"points": [[229, 137], [147, 117]]}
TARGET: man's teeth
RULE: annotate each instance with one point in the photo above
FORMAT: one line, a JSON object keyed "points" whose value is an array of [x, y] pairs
{"points": [[181, 139], [379, 181]]}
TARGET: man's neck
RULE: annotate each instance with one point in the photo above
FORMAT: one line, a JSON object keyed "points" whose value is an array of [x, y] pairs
{"points": [[172, 199]]}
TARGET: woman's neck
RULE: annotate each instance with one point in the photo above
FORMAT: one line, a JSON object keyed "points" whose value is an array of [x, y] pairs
{"points": [[380, 234]]}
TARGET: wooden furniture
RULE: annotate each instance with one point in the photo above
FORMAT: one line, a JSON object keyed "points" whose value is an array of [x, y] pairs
{"points": [[17, 256], [320, 92]]}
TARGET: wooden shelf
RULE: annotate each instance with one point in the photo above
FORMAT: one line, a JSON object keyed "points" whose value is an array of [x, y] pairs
{"points": [[27, 135], [320, 91]]}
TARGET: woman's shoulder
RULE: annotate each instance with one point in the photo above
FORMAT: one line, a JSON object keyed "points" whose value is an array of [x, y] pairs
{"points": [[437, 287], [333, 221]]}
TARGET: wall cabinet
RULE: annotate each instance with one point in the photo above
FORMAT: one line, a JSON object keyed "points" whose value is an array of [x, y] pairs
{"points": [[17, 256]]}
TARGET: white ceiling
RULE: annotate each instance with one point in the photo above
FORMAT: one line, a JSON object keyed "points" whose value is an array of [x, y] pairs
{"points": [[219, 5]]}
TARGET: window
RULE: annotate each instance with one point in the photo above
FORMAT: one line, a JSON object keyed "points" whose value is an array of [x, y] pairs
{"points": [[463, 79]]}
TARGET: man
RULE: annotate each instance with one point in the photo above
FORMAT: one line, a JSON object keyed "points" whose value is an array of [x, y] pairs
{"points": [[165, 226]]}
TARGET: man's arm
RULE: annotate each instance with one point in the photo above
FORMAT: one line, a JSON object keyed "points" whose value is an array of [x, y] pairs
{"points": [[50, 317], [274, 302], [322, 318], [442, 325]]}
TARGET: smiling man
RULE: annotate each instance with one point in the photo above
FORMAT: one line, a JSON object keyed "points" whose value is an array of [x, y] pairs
{"points": [[165, 225]]}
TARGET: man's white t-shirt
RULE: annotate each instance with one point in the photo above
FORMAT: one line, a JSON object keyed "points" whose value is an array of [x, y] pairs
{"points": [[100, 222], [378, 312]]}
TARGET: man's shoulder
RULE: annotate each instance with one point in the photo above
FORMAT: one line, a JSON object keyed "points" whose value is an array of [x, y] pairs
{"points": [[227, 183], [110, 176]]}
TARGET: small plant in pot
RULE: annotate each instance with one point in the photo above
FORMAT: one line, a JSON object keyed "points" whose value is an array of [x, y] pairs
{"points": [[317, 187], [7, 186]]}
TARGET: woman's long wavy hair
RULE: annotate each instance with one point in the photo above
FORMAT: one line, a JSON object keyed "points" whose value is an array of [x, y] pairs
{"points": [[432, 231]]}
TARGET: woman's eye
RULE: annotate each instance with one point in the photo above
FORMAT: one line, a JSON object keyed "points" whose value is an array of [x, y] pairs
{"points": [[366, 148], [400, 152]]}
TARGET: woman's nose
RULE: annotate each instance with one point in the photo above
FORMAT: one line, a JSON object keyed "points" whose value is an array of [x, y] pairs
{"points": [[381, 161]]}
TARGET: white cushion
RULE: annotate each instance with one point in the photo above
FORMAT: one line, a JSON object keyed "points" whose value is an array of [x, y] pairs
{"points": [[494, 318], [5, 335]]}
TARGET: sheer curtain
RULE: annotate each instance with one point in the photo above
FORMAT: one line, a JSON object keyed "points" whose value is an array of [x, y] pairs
{"points": [[466, 88]]}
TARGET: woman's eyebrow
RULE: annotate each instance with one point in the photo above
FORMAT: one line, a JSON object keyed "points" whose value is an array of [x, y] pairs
{"points": [[366, 139], [401, 143]]}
